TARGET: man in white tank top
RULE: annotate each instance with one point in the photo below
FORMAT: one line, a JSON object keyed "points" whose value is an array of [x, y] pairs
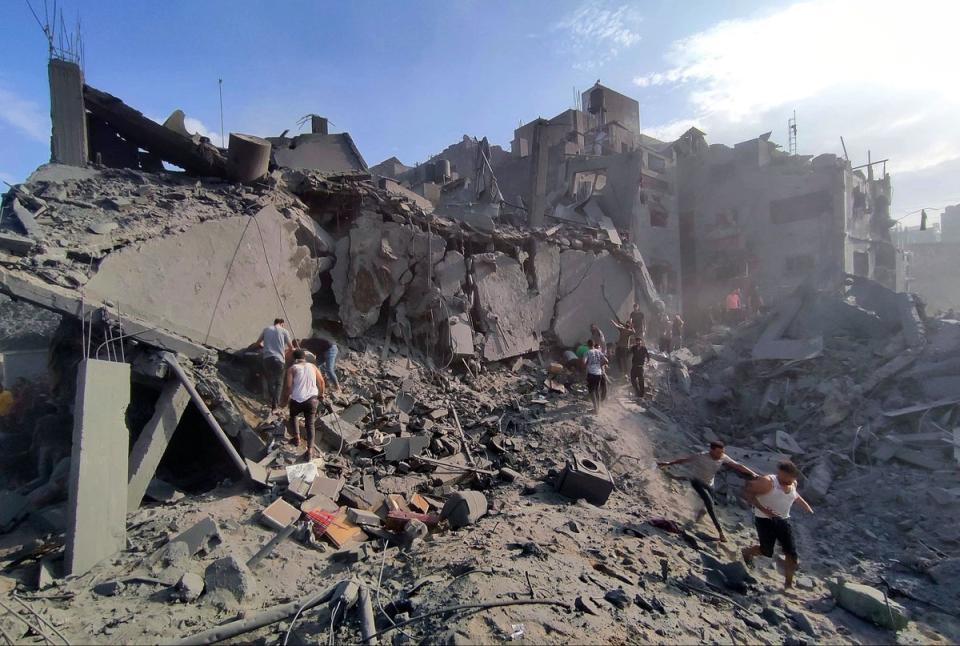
{"points": [[772, 496], [303, 388]]}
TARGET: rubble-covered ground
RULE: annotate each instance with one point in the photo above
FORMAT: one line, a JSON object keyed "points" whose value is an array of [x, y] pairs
{"points": [[883, 484]]}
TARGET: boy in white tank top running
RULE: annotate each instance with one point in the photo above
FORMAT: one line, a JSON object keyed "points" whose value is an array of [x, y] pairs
{"points": [[772, 496]]}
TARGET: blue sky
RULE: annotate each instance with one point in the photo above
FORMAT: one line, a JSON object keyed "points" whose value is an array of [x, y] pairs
{"points": [[409, 78]]}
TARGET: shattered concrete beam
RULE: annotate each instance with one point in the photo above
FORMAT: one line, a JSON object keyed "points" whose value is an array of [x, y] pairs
{"points": [[197, 159], [153, 440], [64, 301]]}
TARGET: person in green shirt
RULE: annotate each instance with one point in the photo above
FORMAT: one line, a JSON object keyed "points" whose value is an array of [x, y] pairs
{"points": [[581, 350]]}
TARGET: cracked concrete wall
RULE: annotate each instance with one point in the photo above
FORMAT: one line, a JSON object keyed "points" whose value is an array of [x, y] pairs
{"points": [[593, 289], [546, 270], [377, 264], [175, 281], [507, 311]]}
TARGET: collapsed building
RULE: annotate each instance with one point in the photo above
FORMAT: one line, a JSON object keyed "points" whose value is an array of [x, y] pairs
{"points": [[432, 277], [929, 256]]}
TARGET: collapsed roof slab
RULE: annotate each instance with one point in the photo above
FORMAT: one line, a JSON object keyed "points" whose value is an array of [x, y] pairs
{"points": [[509, 314], [218, 283], [171, 146]]}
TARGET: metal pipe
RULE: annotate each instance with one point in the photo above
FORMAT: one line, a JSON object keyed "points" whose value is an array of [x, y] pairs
{"points": [[171, 361]]}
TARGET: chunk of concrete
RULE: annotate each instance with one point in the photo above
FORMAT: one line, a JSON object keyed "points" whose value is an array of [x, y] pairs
{"points": [[585, 478], [97, 498], [230, 575], [248, 157], [150, 279], [336, 432], [450, 273], [464, 508], [403, 448], [460, 335], [362, 518], [869, 604], [509, 314], [203, 536], [279, 514], [914, 331], [190, 586], [153, 440], [593, 288]]}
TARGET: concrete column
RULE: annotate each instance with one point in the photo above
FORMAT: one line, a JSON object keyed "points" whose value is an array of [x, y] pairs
{"points": [[68, 140], [538, 174], [152, 443], [248, 157], [97, 499], [319, 125]]}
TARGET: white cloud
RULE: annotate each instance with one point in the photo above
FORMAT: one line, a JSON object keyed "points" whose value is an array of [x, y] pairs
{"points": [[597, 32], [24, 116], [197, 127], [880, 73]]}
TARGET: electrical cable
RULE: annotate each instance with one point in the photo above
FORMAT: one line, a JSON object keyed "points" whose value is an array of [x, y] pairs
{"points": [[216, 303]]}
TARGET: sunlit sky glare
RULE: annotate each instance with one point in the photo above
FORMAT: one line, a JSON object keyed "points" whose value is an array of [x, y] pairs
{"points": [[409, 78]]}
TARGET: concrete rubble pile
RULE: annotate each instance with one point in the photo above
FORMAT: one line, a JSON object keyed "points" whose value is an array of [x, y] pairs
{"points": [[150, 495]]}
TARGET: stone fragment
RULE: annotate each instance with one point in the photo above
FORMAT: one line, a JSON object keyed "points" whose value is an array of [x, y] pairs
{"points": [[190, 586], [415, 530], [363, 518], [279, 514], [230, 575], [109, 588], [869, 604], [508, 314], [464, 508], [618, 597]]}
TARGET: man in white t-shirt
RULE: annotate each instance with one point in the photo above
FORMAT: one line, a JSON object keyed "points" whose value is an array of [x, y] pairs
{"points": [[702, 470], [594, 361]]}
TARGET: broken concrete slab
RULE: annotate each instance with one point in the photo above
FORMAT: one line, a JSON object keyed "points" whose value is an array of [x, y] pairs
{"points": [[460, 336], [363, 518], [162, 492], [203, 536], [97, 499], [593, 288], [404, 448], [586, 478], [329, 487], [450, 273], [279, 514], [508, 314], [224, 309], [870, 604], [913, 329], [150, 446], [337, 433], [464, 508]]}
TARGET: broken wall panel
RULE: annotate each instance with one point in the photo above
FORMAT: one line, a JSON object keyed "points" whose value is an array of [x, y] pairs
{"points": [[594, 288], [194, 285], [508, 313], [97, 498]]}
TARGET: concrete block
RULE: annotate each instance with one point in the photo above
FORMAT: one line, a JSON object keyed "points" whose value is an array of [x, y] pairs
{"points": [[460, 335], [329, 487], [201, 537], [362, 517], [152, 443], [464, 508], [869, 604], [248, 157], [590, 284], [97, 499], [279, 514], [190, 586], [585, 478], [321, 502], [68, 141], [334, 432], [402, 448], [509, 315]]}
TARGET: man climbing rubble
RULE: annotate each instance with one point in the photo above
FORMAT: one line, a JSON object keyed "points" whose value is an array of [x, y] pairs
{"points": [[703, 469], [326, 352], [638, 357], [594, 361], [303, 390], [638, 320], [276, 343], [772, 496]]}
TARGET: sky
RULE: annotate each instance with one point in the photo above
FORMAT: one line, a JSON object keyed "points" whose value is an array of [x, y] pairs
{"points": [[409, 78]]}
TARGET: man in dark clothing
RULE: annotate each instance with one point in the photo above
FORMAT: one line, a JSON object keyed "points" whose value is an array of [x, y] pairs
{"points": [[638, 320], [666, 332], [326, 353], [638, 357], [624, 341]]}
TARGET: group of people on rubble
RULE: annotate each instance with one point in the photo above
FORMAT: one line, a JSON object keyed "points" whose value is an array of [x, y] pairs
{"points": [[293, 382], [629, 352], [771, 497]]}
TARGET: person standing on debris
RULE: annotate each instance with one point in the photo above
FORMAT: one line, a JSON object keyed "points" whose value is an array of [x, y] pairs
{"points": [[638, 357], [599, 340], [624, 341], [303, 390], [276, 343], [594, 361], [703, 469], [733, 307], [665, 326], [326, 353], [638, 320], [677, 332], [772, 496]]}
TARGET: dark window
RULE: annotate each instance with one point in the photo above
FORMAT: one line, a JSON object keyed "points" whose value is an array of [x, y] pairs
{"points": [[861, 263], [658, 218], [801, 207], [799, 264], [654, 163]]}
